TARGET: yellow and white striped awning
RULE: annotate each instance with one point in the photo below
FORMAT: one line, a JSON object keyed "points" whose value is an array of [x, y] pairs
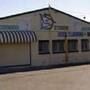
{"points": [[17, 37]]}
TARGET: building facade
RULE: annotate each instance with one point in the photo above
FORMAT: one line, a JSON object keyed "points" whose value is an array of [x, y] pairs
{"points": [[43, 37]]}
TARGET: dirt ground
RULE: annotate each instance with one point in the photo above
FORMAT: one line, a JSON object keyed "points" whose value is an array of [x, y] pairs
{"points": [[69, 78]]}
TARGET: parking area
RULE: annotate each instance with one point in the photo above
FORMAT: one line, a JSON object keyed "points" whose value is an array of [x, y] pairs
{"points": [[68, 78]]}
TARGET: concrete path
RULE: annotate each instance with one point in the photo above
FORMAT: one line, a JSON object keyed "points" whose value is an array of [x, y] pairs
{"points": [[71, 78]]}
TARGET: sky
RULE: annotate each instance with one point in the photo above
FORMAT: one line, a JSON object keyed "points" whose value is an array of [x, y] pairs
{"points": [[78, 8]]}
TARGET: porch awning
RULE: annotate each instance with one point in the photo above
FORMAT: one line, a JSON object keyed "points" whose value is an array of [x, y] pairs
{"points": [[17, 37]]}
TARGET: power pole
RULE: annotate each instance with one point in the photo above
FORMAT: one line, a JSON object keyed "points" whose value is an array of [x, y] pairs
{"points": [[66, 48]]}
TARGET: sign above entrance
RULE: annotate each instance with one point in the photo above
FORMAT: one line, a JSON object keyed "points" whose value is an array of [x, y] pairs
{"points": [[56, 27], [47, 21], [71, 34]]}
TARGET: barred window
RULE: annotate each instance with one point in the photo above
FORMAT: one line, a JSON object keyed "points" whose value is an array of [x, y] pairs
{"points": [[58, 46], [72, 45], [43, 46], [85, 45]]}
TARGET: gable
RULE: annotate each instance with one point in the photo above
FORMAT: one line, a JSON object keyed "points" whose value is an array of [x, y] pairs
{"points": [[32, 20], [43, 9]]}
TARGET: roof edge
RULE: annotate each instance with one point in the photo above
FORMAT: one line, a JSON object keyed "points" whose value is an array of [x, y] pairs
{"points": [[33, 11], [19, 14], [70, 15]]}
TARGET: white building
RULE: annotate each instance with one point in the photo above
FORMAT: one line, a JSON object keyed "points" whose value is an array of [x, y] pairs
{"points": [[43, 37]]}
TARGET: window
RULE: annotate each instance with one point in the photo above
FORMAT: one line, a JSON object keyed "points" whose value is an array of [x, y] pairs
{"points": [[58, 46], [72, 45], [43, 47], [88, 34], [85, 45]]}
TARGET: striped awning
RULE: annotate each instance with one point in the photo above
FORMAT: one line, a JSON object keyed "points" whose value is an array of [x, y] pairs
{"points": [[17, 37]]}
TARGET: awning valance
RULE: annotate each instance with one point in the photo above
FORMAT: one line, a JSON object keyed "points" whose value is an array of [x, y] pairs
{"points": [[17, 36]]}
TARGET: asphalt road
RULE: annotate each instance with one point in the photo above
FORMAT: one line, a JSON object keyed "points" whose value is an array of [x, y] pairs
{"points": [[69, 78]]}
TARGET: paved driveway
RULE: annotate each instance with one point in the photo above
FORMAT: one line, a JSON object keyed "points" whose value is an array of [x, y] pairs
{"points": [[72, 78]]}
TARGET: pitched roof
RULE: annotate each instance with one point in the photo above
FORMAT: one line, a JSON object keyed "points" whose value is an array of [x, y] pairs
{"points": [[11, 16]]}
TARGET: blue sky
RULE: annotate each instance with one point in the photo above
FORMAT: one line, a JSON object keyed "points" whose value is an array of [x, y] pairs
{"points": [[78, 8]]}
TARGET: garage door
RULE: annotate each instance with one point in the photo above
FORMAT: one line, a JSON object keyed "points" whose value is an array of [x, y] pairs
{"points": [[15, 54]]}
